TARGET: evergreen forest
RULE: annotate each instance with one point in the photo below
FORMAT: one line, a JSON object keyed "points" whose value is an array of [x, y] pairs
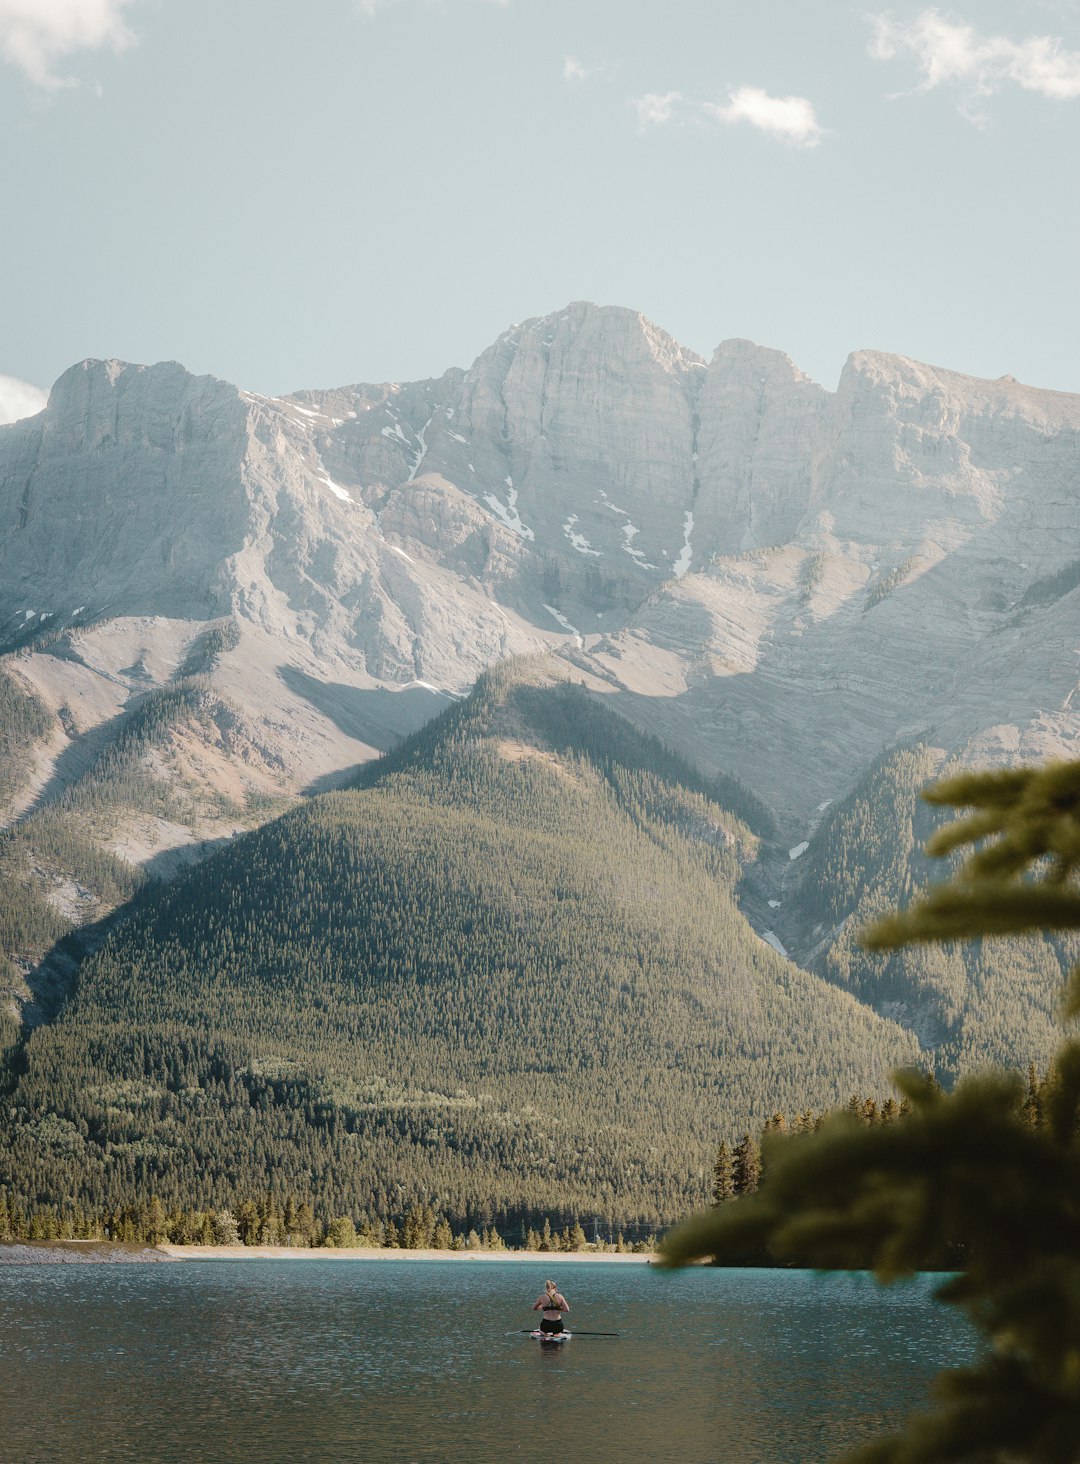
{"points": [[504, 978]]}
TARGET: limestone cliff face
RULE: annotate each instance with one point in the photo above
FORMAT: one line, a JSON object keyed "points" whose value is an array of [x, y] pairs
{"points": [[760, 427], [782, 580], [926, 588], [584, 422], [144, 491], [116, 492]]}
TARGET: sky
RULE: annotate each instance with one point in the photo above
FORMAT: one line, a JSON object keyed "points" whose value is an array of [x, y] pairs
{"points": [[293, 195]]}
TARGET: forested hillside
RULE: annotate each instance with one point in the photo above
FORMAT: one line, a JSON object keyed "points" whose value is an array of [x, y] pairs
{"points": [[23, 722], [507, 976], [971, 1004], [78, 846]]}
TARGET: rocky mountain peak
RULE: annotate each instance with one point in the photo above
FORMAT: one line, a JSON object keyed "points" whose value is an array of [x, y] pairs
{"points": [[585, 482], [770, 363]]}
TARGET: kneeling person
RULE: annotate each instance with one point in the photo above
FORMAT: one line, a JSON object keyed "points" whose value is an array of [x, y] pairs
{"points": [[551, 1307]]}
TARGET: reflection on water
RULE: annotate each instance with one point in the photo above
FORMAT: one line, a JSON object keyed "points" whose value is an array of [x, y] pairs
{"points": [[423, 1361]]}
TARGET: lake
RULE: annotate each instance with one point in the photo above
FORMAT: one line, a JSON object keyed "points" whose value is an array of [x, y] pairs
{"points": [[275, 1361]]}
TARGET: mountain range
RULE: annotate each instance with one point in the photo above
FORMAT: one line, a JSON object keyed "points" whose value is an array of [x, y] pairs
{"points": [[215, 603]]}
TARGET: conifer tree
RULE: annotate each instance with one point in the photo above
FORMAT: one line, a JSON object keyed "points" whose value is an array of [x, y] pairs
{"points": [[746, 1167], [575, 1238], [306, 1230], [370, 1235], [418, 1228], [966, 1169], [248, 1224], [1032, 1103], [723, 1185], [155, 1223]]}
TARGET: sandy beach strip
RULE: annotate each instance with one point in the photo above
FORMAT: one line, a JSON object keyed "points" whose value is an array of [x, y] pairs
{"points": [[362, 1253], [104, 1252]]}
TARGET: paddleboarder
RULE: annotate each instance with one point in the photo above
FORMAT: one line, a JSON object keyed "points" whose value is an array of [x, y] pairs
{"points": [[551, 1307]]}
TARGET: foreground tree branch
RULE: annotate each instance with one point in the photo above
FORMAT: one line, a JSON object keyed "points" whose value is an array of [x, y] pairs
{"points": [[963, 1182]]}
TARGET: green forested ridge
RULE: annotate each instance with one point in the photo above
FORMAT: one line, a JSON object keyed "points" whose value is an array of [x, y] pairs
{"points": [[23, 721], [56, 867], [219, 637], [57, 841], [506, 977], [990, 1001], [567, 722]]}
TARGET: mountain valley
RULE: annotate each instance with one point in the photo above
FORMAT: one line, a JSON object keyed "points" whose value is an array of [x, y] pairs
{"points": [[223, 616]]}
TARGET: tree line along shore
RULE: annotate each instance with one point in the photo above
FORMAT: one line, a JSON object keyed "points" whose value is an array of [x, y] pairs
{"points": [[291, 1223], [287, 1221]]}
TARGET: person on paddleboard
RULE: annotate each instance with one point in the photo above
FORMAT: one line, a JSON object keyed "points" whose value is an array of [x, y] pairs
{"points": [[551, 1307]]}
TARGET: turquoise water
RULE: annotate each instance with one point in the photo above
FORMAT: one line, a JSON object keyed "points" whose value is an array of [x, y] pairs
{"points": [[275, 1361]]}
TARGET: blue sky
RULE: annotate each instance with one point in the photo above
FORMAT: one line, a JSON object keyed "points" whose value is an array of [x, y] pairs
{"points": [[298, 194]]}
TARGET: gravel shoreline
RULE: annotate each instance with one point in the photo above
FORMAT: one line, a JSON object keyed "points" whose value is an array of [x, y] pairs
{"points": [[76, 1253]]}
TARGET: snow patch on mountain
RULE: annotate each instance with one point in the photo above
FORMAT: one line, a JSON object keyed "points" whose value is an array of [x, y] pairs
{"points": [[507, 512], [561, 618], [686, 553], [579, 541]]}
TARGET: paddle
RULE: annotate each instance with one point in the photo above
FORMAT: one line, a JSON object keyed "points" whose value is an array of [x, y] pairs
{"points": [[573, 1332]]}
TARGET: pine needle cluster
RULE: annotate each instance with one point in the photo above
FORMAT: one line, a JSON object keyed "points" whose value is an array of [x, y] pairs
{"points": [[1020, 876], [984, 1180]]}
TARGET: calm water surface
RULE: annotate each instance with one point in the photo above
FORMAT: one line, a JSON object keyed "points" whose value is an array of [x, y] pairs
{"points": [[275, 1361]]}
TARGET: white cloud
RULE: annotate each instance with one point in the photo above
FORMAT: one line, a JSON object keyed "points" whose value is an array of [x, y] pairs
{"points": [[951, 53], [575, 70], [791, 119], [36, 34], [656, 109], [19, 399]]}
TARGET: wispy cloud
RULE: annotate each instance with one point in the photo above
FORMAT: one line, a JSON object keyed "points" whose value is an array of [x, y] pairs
{"points": [[949, 52], [656, 109], [575, 70], [19, 399], [37, 34], [791, 119]]}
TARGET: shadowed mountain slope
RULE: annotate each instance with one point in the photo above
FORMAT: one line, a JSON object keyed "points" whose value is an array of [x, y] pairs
{"points": [[970, 1003]]}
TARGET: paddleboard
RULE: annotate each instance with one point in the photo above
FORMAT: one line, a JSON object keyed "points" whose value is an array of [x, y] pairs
{"points": [[551, 1338]]}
